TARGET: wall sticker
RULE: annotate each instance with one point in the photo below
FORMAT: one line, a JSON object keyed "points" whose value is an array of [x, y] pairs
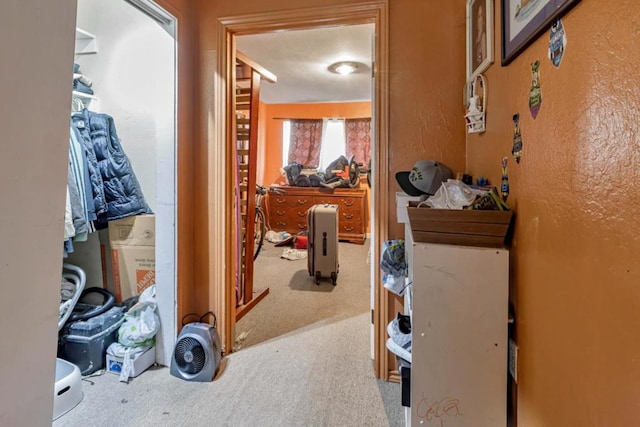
{"points": [[557, 43], [517, 139], [504, 187], [535, 95]]}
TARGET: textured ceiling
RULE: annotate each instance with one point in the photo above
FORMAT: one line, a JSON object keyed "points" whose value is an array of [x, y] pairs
{"points": [[300, 59]]}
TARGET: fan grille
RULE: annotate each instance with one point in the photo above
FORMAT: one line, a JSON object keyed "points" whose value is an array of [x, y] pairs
{"points": [[190, 355]]}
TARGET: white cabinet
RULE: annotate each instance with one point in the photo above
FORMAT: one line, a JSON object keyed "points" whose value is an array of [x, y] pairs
{"points": [[459, 335]]}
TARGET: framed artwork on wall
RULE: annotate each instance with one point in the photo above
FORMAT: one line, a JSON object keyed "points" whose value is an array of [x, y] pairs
{"points": [[524, 20], [479, 36]]}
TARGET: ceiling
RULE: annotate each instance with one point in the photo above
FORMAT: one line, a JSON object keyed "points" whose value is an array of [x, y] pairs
{"points": [[300, 59]]}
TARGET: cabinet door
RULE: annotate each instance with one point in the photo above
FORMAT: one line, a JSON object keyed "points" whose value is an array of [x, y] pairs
{"points": [[459, 336]]}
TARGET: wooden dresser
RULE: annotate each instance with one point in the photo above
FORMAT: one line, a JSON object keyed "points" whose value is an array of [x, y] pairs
{"points": [[288, 211]]}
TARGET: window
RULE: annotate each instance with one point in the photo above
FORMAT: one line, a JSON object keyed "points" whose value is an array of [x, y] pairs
{"points": [[332, 143], [286, 135]]}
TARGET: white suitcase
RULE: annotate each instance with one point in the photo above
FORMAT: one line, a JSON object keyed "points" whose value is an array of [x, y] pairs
{"points": [[322, 259]]}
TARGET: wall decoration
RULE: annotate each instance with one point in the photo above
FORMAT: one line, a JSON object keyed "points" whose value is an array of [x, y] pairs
{"points": [[517, 139], [557, 43], [476, 104], [535, 95], [524, 20], [504, 186], [479, 36]]}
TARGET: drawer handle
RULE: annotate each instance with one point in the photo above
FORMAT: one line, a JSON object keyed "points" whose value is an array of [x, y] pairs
{"points": [[348, 216], [281, 224], [348, 229], [280, 201], [280, 213], [302, 202], [301, 214], [348, 203], [302, 226]]}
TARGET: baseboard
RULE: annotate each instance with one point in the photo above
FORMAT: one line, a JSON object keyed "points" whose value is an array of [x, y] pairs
{"points": [[394, 376]]}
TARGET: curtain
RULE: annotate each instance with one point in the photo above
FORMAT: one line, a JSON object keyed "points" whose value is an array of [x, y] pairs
{"points": [[358, 133], [305, 141]]}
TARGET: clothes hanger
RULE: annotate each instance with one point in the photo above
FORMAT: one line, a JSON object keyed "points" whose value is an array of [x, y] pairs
{"points": [[76, 105]]}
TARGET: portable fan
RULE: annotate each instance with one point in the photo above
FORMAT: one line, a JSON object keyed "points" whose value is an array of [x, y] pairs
{"points": [[196, 355]]}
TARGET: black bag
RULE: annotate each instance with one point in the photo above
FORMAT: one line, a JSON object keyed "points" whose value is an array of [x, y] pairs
{"points": [[333, 180], [293, 171]]}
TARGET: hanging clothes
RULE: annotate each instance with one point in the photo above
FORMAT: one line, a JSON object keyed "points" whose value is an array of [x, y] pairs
{"points": [[122, 190], [81, 133]]}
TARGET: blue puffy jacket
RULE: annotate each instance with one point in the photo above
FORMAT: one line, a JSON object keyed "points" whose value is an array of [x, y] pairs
{"points": [[80, 121], [122, 191]]}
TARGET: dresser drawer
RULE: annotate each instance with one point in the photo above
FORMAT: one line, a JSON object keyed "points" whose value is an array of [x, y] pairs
{"points": [[353, 227], [349, 215], [292, 201], [288, 224], [325, 200], [290, 213], [350, 203]]}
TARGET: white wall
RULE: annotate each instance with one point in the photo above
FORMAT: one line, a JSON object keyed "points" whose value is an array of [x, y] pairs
{"points": [[36, 41], [133, 78]]}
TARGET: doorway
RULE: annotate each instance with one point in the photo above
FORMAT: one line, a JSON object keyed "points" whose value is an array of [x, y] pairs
{"points": [[128, 50], [374, 13], [306, 91]]}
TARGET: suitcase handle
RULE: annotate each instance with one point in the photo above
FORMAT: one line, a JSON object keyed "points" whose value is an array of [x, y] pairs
{"points": [[324, 244]]}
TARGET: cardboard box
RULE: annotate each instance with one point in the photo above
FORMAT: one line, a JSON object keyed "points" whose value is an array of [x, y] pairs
{"points": [[133, 255], [140, 364]]}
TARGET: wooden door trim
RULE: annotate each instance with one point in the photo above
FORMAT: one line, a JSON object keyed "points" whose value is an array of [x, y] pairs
{"points": [[375, 12]]}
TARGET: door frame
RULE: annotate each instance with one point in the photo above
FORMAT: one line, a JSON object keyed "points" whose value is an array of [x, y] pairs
{"points": [[222, 176]]}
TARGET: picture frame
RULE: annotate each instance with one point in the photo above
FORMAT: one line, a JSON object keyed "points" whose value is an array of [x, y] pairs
{"points": [[479, 36], [524, 20]]}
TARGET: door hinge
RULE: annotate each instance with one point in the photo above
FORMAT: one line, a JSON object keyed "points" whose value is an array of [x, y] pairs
{"points": [[372, 316]]}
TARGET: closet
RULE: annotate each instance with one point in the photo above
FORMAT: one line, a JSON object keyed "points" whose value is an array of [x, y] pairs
{"points": [[129, 56], [246, 100]]}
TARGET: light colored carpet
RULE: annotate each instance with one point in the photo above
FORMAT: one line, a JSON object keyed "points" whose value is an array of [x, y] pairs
{"points": [[318, 376], [294, 299], [314, 373]]}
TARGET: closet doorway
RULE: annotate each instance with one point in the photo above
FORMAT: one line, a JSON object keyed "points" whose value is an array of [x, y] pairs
{"points": [[128, 50], [366, 13]]}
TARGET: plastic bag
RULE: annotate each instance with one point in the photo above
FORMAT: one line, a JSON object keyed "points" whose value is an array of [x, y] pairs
{"points": [[394, 266], [128, 355], [453, 194], [141, 323]]}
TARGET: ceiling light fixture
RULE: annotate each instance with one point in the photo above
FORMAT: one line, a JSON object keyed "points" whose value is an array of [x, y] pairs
{"points": [[344, 67]]}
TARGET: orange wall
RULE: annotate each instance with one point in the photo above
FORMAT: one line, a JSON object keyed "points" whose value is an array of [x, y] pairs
{"points": [[575, 258], [426, 75], [577, 239], [273, 124]]}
